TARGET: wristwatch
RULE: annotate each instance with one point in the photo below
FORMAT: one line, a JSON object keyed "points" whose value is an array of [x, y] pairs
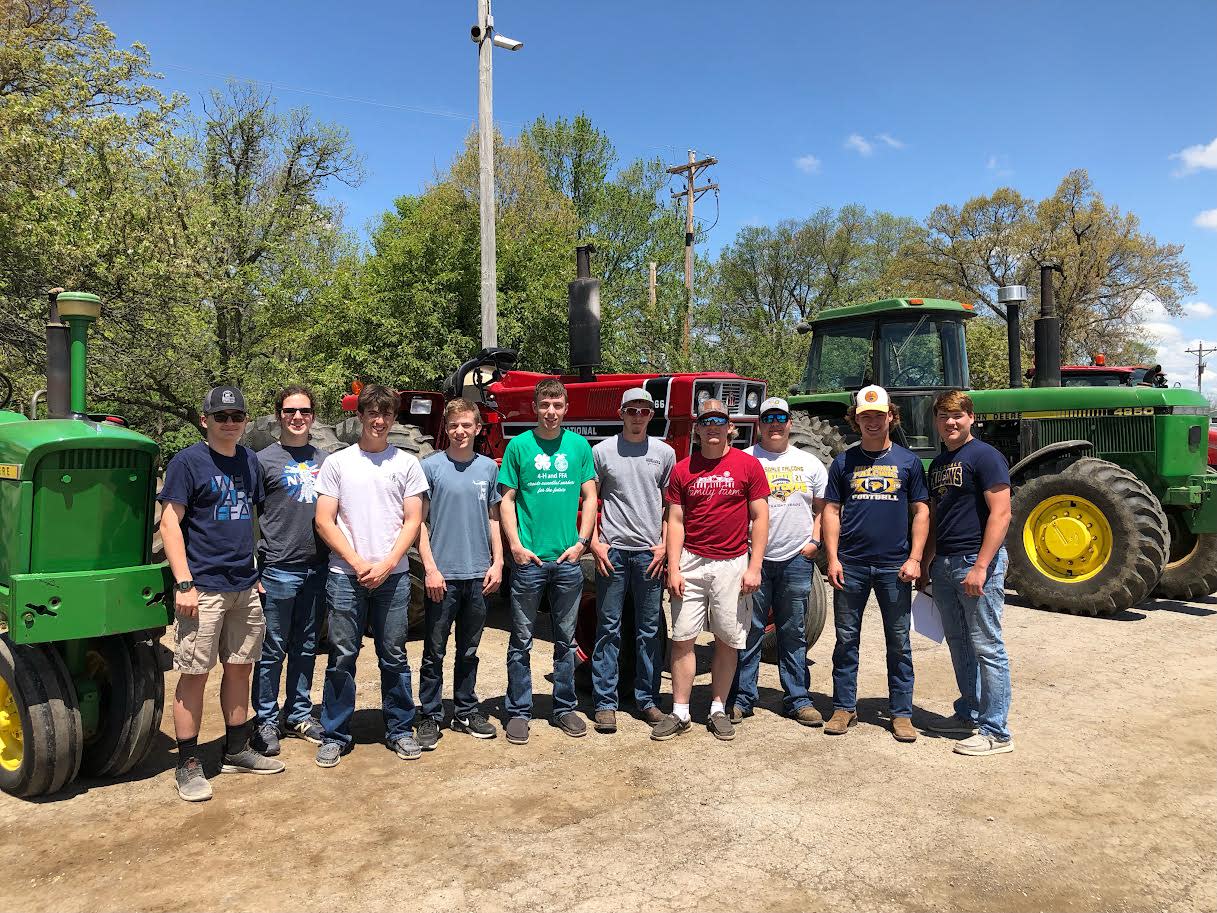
{"points": [[585, 541], [184, 586], [816, 542]]}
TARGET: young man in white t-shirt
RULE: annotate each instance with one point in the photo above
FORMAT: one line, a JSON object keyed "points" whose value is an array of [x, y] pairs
{"points": [[369, 508], [796, 497]]}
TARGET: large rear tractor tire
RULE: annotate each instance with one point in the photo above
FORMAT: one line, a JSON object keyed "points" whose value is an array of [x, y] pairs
{"points": [[265, 430], [813, 620], [1191, 571], [131, 690], [817, 436], [40, 729], [1091, 540], [412, 440], [349, 429]]}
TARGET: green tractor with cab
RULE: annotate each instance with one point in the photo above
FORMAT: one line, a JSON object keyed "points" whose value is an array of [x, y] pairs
{"points": [[1113, 501], [82, 602]]}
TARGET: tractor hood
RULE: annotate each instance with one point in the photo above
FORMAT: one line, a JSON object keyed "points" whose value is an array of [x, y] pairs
{"points": [[1071, 401], [23, 444]]}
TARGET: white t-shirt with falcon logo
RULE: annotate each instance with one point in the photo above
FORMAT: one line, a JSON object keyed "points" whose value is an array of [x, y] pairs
{"points": [[795, 478]]}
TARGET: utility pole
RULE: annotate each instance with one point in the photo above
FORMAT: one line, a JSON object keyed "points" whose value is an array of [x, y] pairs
{"points": [[651, 288], [690, 171], [1200, 352]]}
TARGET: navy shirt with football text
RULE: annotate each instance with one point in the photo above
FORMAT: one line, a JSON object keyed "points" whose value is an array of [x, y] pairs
{"points": [[875, 492], [958, 482]]}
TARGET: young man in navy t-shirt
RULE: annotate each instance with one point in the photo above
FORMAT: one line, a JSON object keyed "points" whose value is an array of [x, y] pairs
{"points": [[872, 491], [970, 505]]}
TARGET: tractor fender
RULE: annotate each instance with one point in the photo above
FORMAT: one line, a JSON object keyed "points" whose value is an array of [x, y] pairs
{"points": [[1052, 458]]}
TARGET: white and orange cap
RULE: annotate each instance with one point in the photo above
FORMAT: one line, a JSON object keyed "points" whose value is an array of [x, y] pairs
{"points": [[872, 399]]}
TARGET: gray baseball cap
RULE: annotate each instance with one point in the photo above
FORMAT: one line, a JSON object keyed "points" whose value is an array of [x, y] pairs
{"points": [[218, 399], [636, 394]]}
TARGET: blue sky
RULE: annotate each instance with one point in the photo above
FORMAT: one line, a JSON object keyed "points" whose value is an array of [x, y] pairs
{"points": [[894, 106]]}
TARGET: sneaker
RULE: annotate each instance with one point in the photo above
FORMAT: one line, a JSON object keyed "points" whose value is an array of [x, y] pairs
{"points": [[571, 724], [517, 730], [653, 715], [738, 714], [840, 722], [475, 725], [670, 727], [329, 754], [265, 740], [191, 782], [308, 729], [428, 734], [248, 761], [407, 747], [902, 729], [606, 721], [981, 744], [720, 727], [952, 725], [807, 716]]}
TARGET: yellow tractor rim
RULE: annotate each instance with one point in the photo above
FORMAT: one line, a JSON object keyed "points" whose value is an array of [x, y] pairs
{"points": [[12, 747], [1067, 538]]}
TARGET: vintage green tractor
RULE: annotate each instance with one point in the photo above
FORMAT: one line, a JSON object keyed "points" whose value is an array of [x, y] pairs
{"points": [[82, 603], [1113, 501]]}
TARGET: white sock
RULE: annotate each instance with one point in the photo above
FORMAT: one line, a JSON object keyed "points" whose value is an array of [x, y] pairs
{"points": [[717, 707], [681, 712]]}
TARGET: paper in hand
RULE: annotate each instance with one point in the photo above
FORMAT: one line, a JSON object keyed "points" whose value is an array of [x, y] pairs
{"points": [[926, 620]]}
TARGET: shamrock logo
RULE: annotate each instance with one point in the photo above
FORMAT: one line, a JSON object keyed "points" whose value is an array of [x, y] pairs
{"points": [[541, 461]]}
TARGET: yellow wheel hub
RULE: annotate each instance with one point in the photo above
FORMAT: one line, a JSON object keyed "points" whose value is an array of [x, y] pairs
{"points": [[1067, 538], [12, 747]]}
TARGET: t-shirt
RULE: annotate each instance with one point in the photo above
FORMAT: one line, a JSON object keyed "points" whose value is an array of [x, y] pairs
{"points": [[875, 493], [547, 476], [632, 479], [459, 519], [371, 489], [289, 536], [715, 495], [219, 493], [795, 478], [958, 482]]}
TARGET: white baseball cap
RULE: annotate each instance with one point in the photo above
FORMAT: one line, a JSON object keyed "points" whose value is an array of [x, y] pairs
{"points": [[774, 404], [872, 399], [636, 394]]}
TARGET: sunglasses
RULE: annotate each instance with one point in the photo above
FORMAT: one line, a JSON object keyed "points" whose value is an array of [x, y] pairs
{"points": [[774, 418], [712, 421], [292, 410], [225, 417], [638, 410]]}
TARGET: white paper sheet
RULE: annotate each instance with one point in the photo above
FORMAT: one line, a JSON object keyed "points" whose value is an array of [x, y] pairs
{"points": [[926, 620]]}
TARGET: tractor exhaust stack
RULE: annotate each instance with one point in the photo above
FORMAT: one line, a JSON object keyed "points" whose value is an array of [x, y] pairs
{"points": [[58, 362], [1047, 333], [1013, 297], [584, 316]]}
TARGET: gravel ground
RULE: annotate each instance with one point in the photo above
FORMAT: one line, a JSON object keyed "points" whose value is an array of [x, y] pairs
{"points": [[1107, 803]]}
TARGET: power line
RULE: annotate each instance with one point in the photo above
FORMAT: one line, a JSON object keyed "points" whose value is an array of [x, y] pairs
{"points": [[690, 170]]}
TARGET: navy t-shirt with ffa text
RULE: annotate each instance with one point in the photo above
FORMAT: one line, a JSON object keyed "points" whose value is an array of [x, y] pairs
{"points": [[875, 493], [219, 493], [958, 482]]}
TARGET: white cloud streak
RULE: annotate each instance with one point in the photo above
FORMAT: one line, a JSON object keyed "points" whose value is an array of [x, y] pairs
{"points": [[1206, 219], [890, 140], [859, 144], [1200, 309], [1197, 157], [808, 164]]}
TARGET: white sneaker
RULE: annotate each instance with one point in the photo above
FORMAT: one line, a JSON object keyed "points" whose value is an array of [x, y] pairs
{"points": [[980, 744]]}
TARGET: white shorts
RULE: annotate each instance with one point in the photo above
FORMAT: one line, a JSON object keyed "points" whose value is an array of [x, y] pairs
{"points": [[712, 600]]}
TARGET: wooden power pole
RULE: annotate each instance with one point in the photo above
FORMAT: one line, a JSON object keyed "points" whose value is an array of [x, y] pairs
{"points": [[690, 171], [1200, 353], [651, 288]]}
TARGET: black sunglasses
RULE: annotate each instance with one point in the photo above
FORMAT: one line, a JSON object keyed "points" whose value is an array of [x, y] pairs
{"points": [[774, 418], [225, 417], [290, 410], [712, 421]]}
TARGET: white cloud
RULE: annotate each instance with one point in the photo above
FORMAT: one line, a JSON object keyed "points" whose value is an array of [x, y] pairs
{"points": [[1206, 219], [859, 144], [1200, 309], [891, 140], [1168, 336], [999, 165], [1196, 157], [808, 164]]}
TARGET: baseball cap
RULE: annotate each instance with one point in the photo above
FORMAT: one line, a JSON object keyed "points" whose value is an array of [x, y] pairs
{"points": [[774, 404], [872, 399], [220, 398], [711, 407], [636, 393]]}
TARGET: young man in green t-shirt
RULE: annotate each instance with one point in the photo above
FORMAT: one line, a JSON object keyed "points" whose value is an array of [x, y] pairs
{"points": [[546, 477]]}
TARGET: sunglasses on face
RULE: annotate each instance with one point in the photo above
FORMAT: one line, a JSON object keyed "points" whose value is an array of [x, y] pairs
{"points": [[712, 421], [293, 410], [774, 418], [637, 410], [225, 417]]}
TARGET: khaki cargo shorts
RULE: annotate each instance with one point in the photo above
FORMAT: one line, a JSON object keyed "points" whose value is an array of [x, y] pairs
{"points": [[229, 627], [712, 600]]}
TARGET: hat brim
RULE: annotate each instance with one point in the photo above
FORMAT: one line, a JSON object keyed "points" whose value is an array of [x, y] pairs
{"points": [[718, 412], [872, 407]]}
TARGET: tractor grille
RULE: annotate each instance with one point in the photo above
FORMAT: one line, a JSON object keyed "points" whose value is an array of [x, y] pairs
{"points": [[733, 396], [95, 459], [1110, 434]]}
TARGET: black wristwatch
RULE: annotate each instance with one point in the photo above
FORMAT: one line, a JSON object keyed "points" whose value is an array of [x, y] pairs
{"points": [[816, 542], [585, 541], [184, 586]]}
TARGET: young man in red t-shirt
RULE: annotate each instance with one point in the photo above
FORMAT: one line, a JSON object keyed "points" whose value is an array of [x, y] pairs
{"points": [[712, 495]]}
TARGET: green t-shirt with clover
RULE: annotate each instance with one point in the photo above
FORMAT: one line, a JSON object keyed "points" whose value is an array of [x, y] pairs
{"points": [[547, 476]]}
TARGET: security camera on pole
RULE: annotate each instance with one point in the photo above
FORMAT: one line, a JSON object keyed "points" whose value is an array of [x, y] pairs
{"points": [[483, 30]]}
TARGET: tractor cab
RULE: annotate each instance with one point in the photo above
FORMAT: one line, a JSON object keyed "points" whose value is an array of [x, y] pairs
{"points": [[913, 347]]}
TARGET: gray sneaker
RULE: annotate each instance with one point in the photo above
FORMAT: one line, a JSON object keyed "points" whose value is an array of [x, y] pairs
{"points": [[191, 782], [308, 729], [669, 728], [266, 740], [952, 725], [517, 730], [329, 754], [980, 745], [407, 747], [720, 727], [248, 761], [428, 734], [571, 724]]}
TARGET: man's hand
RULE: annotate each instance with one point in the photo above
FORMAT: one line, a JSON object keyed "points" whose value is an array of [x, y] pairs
{"points": [[572, 554], [910, 570], [600, 551], [923, 582], [974, 582], [751, 582], [809, 550], [676, 583], [187, 604], [261, 589], [493, 578], [376, 574], [659, 557], [360, 567], [436, 585], [521, 555], [836, 574]]}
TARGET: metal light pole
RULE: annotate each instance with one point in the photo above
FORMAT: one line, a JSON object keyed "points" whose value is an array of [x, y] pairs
{"points": [[484, 37]]}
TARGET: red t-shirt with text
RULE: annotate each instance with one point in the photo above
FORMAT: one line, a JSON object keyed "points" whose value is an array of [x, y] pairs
{"points": [[714, 495]]}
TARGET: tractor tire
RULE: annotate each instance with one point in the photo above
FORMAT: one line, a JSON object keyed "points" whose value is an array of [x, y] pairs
{"points": [[627, 655], [131, 687], [813, 620], [412, 440], [150, 684], [349, 429], [1191, 570], [817, 436], [325, 439], [261, 433], [40, 732], [1091, 540]]}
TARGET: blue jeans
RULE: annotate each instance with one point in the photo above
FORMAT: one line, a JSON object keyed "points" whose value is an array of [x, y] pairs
{"points": [[563, 585], [463, 603], [786, 587], [629, 576], [895, 603], [351, 607], [292, 606], [972, 625]]}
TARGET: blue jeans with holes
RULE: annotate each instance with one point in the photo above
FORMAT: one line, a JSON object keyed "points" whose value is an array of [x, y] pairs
{"points": [[463, 603], [895, 599], [292, 605], [786, 587], [562, 584], [972, 625], [351, 607], [629, 577]]}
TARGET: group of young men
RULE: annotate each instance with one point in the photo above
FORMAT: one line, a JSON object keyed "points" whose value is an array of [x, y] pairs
{"points": [[731, 534]]}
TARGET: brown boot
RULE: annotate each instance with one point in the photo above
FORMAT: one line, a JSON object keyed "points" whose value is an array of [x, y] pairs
{"points": [[808, 716], [902, 729], [606, 721], [840, 722], [653, 715]]}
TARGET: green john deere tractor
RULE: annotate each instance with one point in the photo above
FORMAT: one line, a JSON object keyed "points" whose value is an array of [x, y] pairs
{"points": [[82, 603], [1112, 499]]}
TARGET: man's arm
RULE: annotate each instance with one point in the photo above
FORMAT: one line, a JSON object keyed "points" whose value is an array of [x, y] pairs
{"points": [[997, 499], [758, 513], [411, 521], [186, 604], [587, 521], [507, 520], [674, 541], [326, 521], [434, 581], [659, 553], [830, 526], [494, 574], [810, 550], [911, 569]]}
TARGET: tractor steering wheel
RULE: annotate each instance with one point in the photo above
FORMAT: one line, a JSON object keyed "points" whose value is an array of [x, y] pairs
{"points": [[914, 376]]}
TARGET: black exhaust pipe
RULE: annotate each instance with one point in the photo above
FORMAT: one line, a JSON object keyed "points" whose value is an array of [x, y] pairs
{"points": [[58, 363], [1013, 297], [583, 296], [1047, 333]]}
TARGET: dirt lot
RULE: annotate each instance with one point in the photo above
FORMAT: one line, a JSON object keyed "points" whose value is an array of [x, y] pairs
{"points": [[1107, 803]]}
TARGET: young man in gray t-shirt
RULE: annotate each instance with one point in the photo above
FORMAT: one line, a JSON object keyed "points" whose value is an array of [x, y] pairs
{"points": [[462, 555], [632, 473]]}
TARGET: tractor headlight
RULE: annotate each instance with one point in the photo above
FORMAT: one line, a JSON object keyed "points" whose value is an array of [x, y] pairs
{"points": [[702, 395], [753, 401], [420, 406]]}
